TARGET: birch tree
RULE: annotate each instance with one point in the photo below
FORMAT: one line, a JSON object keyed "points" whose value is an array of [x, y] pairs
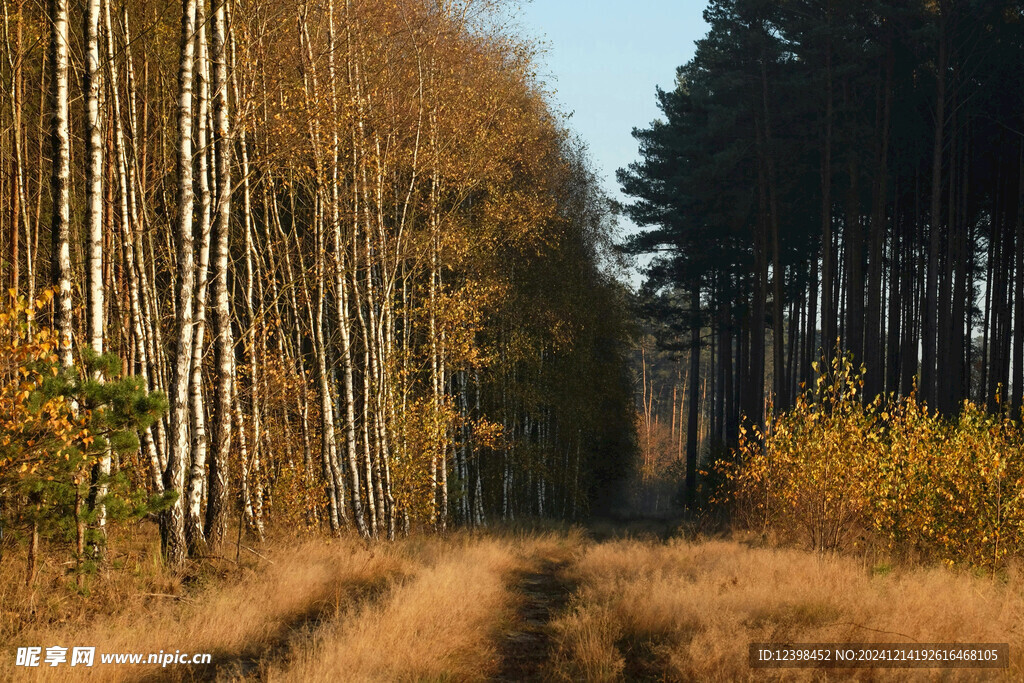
{"points": [[60, 145], [224, 344], [179, 452], [92, 82]]}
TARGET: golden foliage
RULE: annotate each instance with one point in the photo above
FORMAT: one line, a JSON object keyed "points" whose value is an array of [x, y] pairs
{"points": [[837, 472], [36, 430]]}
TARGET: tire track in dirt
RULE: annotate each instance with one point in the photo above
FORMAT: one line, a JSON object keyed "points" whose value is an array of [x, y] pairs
{"points": [[255, 662], [526, 649]]}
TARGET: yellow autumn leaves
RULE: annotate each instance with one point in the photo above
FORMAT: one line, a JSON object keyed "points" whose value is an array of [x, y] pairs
{"points": [[33, 429], [838, 472]]}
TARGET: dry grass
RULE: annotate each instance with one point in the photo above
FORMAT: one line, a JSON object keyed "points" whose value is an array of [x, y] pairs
{"points": [[237, 617], [441, 625], [688, 611], [421, 608], [136, 570], [430, 608]]}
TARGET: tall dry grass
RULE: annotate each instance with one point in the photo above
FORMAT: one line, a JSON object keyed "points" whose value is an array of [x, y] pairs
{"points": [[238, 618], [132, 571], [443, 624], [422, 608], [688, 611]]}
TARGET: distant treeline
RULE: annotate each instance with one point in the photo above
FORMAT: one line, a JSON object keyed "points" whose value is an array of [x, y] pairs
{"points": [[836, 170]]}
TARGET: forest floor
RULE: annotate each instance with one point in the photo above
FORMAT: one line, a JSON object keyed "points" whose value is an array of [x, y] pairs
{"points": [[609, 602]]}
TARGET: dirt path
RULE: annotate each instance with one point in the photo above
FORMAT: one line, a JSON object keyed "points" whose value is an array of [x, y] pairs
{"points": [[525, 649], [254, 663]]}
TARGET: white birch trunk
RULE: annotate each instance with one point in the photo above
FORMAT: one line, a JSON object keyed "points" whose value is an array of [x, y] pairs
{"points": [[197, 485], [178, 460], [60, 182], [92, 82], [127, 220], [216, 517], [341, 298]]}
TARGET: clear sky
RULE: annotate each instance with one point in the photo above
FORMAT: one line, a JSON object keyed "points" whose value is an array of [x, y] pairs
{"points": [[604, 59]]}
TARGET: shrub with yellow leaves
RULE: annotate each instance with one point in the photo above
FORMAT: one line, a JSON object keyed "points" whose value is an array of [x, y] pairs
{"points": [[837, 471]]}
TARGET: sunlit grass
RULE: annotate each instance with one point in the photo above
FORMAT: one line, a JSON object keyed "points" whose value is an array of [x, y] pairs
{"points": [[688, 611]]}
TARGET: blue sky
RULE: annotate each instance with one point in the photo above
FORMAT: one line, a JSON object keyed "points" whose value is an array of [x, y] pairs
{"points": [[604, 59]]}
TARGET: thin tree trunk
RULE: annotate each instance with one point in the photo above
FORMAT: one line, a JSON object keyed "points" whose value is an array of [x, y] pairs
{"points": [[197, 484], [692, 423], [60, 184], [341, 301], [178, 460], [873, 340], [930, 334], [216, 512]]}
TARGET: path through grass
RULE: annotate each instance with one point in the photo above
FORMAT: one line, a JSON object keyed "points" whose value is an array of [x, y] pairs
{"points": [[533, 606]]}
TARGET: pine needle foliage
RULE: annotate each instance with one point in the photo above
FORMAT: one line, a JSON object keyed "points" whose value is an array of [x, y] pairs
{"points": [[56, 422]]}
